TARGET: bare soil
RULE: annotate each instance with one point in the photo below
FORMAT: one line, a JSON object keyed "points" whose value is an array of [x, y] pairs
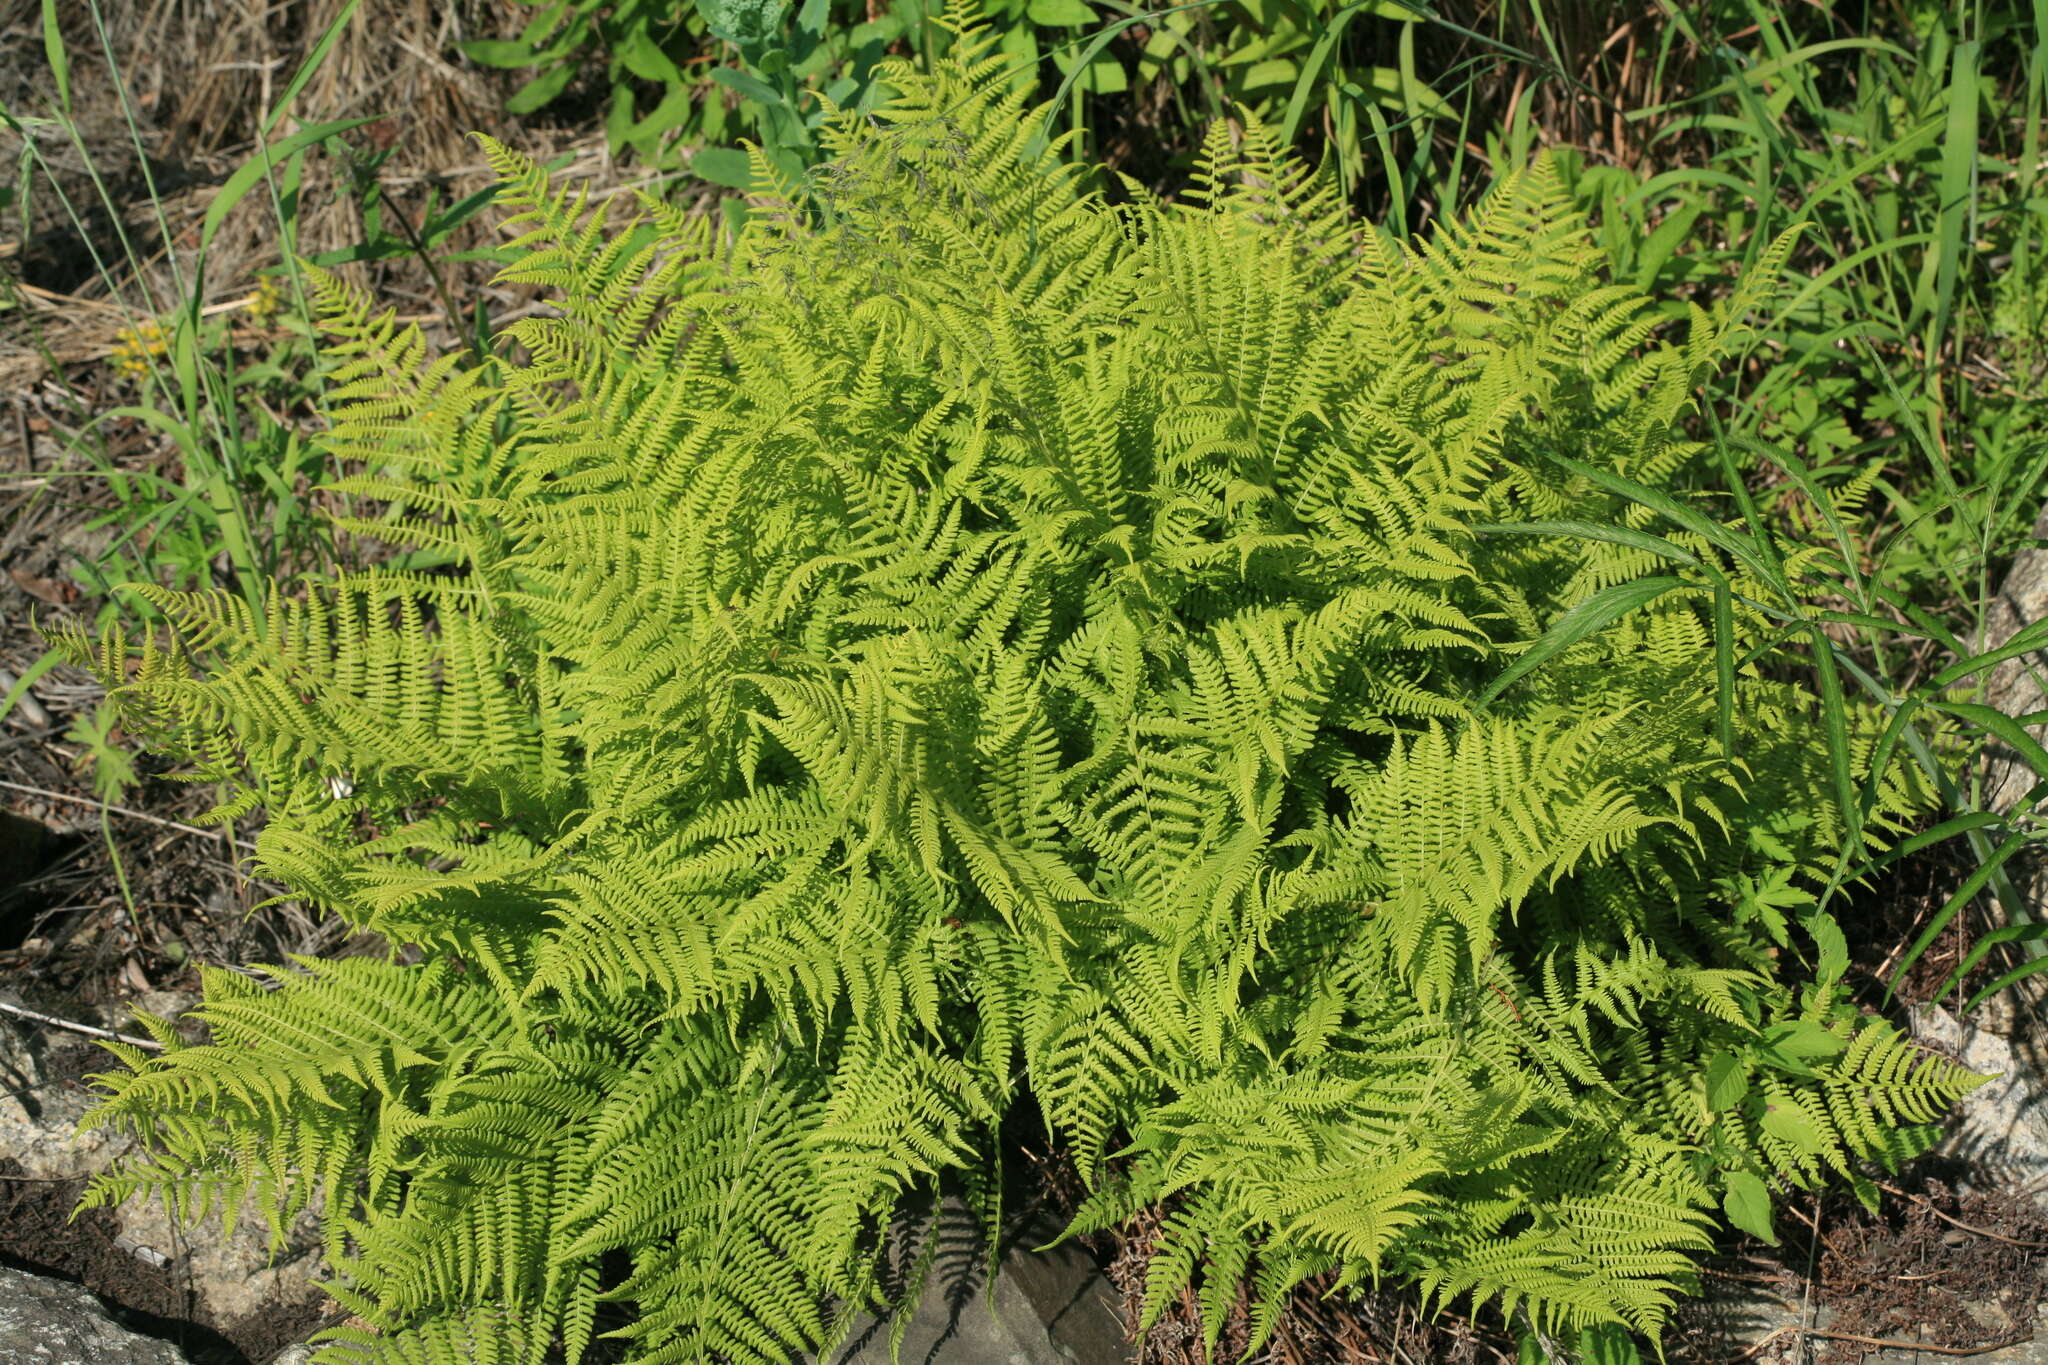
{"points": [[38, 1234]]}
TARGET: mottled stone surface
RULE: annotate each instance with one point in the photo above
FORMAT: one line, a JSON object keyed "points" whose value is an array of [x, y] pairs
{"points": [[233, 1277], [54, 1322], [2001, 1128], [1044, 1308], [2016, 686]]}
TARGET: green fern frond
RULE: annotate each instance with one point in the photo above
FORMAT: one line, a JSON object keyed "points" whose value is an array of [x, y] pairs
{"points": [[979, 645]]}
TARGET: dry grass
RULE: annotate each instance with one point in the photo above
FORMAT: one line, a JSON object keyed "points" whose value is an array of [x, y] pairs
{"points": [[195, 79], [168, 100]]}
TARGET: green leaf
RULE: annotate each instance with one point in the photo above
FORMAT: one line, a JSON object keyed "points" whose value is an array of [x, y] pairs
{"points": [[1607, 1344], [113, 768], [1743, 548], [746, 24], [1312, 67], [672, 113], [749, 86], [1962, 896], [1106, 35], [1593, 530], [1724, 667], [1958, 172], [1588, 618], [2025, 641], [1790, 1124], [1727, 1081], [726, 166], [1102, 76], [1804, 1039], [1832, 944], [1748, 1206], [644, 58], [308, 67], [541, 90], [1266, 74], [2004, 727], [501, 52], [1059, 13]]}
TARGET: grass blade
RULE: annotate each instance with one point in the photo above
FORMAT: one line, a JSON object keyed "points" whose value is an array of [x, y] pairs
{"points": [[1963, 895], [1958, 173], [252, 171], [53, 52], [1587, 618], [309, 66]]}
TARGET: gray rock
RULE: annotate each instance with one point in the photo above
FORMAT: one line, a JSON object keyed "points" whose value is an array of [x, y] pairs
{"points": [[39, 1114], [2001, 1128], [2033, 1352], [2015, 686], [232, 1277], [54, 1322], [1737, 1315], [1044, 1308], [1079, 1307], [995, 1326]]}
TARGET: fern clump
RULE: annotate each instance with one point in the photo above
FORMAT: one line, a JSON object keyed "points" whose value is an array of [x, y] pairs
{"points": [[961, 642]]}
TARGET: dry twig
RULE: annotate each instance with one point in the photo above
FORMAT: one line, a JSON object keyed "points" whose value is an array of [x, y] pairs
{"points": [[54, 1021]]}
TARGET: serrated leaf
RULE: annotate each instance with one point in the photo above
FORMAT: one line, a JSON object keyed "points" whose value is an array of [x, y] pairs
{"points": [[743, 23]]}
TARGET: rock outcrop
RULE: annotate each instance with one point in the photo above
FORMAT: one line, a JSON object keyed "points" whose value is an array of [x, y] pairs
{"points": [[54, 1322]]}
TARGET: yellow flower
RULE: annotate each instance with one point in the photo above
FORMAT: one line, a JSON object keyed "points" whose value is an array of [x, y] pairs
{"points": [[267, 302], [135, 346]]}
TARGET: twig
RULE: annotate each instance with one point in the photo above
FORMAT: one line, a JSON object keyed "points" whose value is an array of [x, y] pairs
{"points": [[1881, 1343], [1757, 1348], [54, 1022], [114, 810], [27, 437], [1892, 1344], [1928, 1204], [1806, 1291]]}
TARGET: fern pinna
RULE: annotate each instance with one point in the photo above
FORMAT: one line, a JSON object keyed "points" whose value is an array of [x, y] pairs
{"points": [[960, 641]]}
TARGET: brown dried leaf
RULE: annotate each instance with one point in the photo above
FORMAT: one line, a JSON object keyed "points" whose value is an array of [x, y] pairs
{"points": [[54, 591]]}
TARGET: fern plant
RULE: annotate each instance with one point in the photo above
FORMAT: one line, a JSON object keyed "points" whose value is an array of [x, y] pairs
{"points": [[998, 646]]}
